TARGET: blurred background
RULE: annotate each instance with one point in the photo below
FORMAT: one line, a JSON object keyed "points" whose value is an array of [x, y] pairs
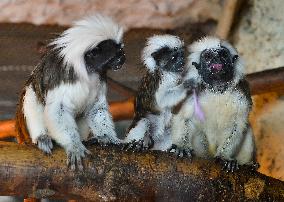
{"points": [[256, 30]]}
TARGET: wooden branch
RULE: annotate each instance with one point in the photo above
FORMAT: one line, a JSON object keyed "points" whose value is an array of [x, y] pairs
{"points": [[120, 88], [227, 18], [7, 129], [271, 80], [31, 200], [123, 110], [112, 174]]}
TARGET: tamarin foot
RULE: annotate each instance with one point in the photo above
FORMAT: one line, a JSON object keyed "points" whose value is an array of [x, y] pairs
{"points": [[139, 145], [254, 166], [75, 154], [44, 143], [181, 152], [230, 165]]}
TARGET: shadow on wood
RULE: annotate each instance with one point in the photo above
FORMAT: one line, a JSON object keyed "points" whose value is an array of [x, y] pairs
{"points": [[112, 174]]}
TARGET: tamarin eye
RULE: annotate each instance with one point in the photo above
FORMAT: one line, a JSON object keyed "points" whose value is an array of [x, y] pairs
{"points": [[95, 51], [223, 53], [208, 56], [235, 57]]}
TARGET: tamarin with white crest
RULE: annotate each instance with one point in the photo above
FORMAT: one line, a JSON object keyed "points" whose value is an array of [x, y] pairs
{"points": [[160, 89], [213, 120], [64, 99]]}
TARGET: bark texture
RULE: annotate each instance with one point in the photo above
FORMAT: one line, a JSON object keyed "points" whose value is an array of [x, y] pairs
{"points": [[112, 174]]}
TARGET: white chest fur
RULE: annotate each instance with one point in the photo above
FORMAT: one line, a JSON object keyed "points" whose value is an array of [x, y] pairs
{"points": [[219, 108], [222, 112], [78, 96], [168, 81]]}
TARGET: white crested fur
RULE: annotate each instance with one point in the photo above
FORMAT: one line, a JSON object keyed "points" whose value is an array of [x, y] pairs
{"points": [[223, 113], [196, 48], [33, 111], [204, 43], [84, 35], [155, 43]]}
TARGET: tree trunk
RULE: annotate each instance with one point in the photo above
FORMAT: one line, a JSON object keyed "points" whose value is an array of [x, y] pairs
{"points": [[112, 174]]}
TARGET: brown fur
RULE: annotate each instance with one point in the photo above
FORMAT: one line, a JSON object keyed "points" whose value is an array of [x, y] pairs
{"points": [[22, 133]]}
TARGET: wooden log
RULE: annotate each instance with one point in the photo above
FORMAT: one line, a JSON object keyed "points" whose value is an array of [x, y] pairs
{"points": [[120, 88], [271, 80], [31, 200], [112, 174], [7, 129], [226, 20], [122, 110]]}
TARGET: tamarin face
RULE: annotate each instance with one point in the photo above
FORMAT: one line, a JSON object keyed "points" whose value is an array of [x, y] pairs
{"points": [[216, 65], [106, 55], [170, 59]]}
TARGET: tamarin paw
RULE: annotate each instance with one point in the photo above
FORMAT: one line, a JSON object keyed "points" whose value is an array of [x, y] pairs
{"points": [[190, 84], [254, 166], [181, 152], [138, 146], [45, 144], [134, 145], [230, 165], [106, 140], [75, 154]]}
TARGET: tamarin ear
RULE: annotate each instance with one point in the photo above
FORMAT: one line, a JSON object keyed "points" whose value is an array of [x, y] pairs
{"points": [[235, 57], [154, 55], [196, 65]]}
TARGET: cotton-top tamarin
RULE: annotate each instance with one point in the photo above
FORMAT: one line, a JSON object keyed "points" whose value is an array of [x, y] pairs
{"points": [[64, 99], [161, 88], [213, 121]]}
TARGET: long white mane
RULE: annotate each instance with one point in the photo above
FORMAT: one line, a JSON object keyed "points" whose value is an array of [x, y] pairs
{"points": [[84, 35]]}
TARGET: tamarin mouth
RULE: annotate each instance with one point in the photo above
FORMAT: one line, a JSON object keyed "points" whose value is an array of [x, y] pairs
{"points": [[216, 66]]}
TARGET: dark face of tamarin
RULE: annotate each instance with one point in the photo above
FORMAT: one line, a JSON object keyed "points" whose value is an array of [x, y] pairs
{"points": [[217, 66], [169, 59], [106, 55]]}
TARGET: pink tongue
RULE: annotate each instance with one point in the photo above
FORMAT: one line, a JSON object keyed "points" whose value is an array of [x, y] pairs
{"points": [[217, 66]]}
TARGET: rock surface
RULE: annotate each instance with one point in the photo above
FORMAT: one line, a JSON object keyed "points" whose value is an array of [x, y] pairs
{"points": [[131, 13], [259, 39]]}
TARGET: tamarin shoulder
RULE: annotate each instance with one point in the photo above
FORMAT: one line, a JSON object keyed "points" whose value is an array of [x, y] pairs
{"points": [[145, 101]]}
